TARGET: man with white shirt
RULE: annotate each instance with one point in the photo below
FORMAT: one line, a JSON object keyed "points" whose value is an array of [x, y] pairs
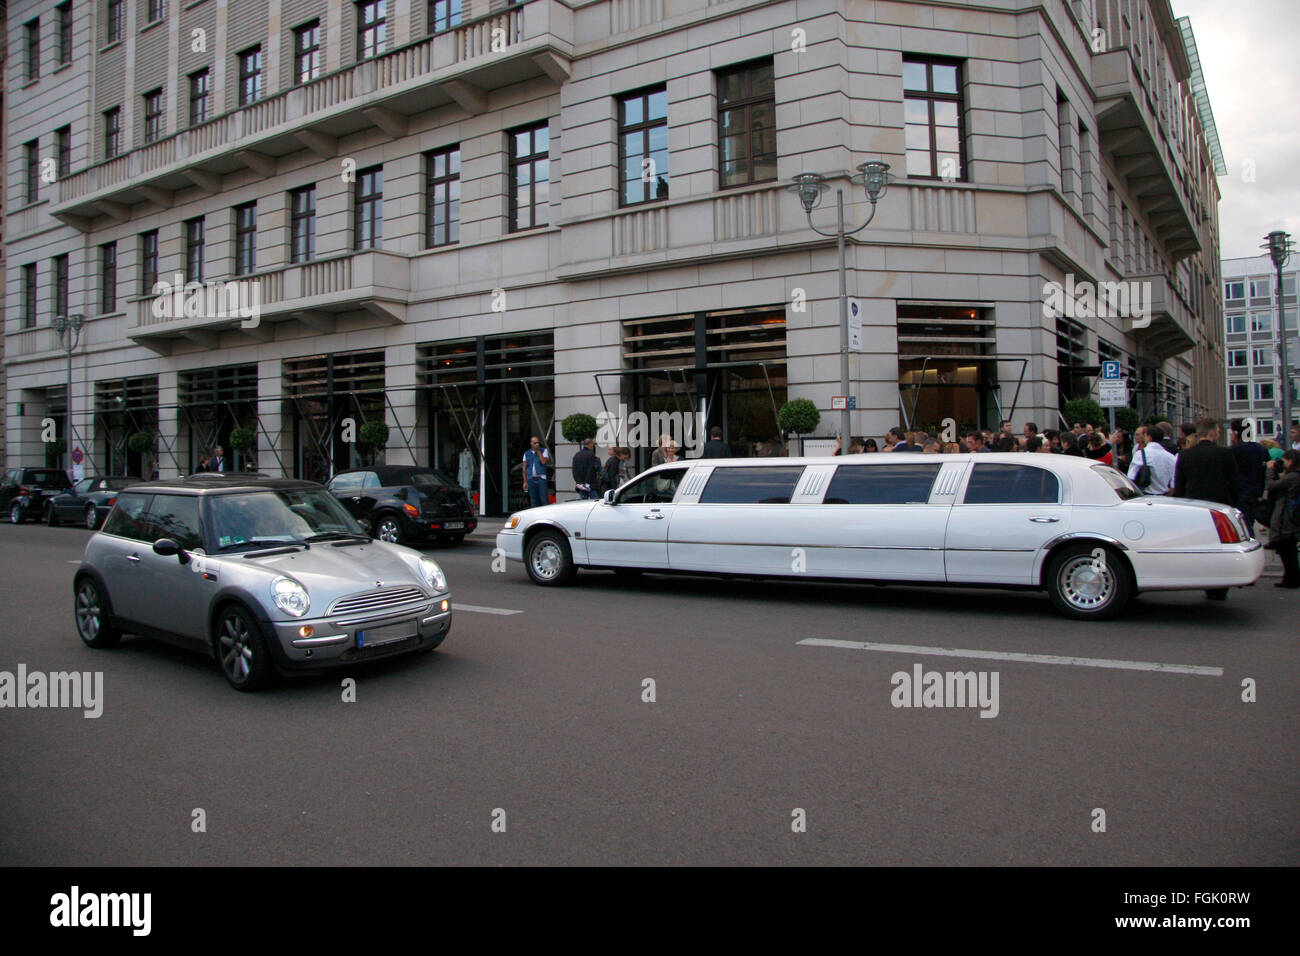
{"points": [[1295, 438], [1152, 454]]}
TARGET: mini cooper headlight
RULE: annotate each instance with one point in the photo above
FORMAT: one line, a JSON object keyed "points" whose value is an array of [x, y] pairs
{"points": [[513, 522], [290, 596], [432, 575]]}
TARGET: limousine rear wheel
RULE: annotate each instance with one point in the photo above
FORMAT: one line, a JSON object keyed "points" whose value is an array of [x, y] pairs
{"points": [[1088, 582], [549, 560]]}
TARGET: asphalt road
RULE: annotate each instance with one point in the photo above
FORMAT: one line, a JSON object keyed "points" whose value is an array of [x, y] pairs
{"points": [[537, 719]]}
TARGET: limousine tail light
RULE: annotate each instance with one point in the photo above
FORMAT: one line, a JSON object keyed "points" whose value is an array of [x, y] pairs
{"points": [[1227, 531]]}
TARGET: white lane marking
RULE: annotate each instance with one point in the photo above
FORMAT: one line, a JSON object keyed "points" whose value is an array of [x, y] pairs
{"points": [[1197, 669], [474, 608], [72, 562]]}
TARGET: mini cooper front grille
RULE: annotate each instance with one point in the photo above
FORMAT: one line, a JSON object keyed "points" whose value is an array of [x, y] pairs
{"points": [[377, 600]]}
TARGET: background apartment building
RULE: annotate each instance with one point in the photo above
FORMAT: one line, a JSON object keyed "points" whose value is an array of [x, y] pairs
{"points": [[1250, 324], [471, 219]]}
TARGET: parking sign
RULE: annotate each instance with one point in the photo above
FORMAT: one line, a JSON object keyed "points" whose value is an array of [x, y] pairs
{"points": [[1110, 371]]}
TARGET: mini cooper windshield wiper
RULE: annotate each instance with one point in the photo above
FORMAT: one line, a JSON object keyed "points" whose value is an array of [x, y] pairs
{"points": [[338, 536], [264, 543]]}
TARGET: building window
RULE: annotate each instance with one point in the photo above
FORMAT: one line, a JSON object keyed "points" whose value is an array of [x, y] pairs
{"points": [[246, 239], [1259, 288], [1261, 322], [932, 116], [32, 48], [443, 15], [63, 147], [306, 53], [442, 196], [1238, 392], [250, 76], [747, 124], [153, 116], [372, 28], [1263, 391], [31, 171], [1261, 358], [1235, 289], [60, 285], [369, 232], [116, 20], [148, 261], [530, 176], [1236, 323], [157, 10], [1236, 358], [29, 296], [302, 223], [112, 132], [643, 146], [1264, 427], [64, 13], [194, 241], [200, 97], [108, 278]]}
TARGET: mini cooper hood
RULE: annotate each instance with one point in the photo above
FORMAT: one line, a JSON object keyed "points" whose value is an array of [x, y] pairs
{"points": [[327, 569]]}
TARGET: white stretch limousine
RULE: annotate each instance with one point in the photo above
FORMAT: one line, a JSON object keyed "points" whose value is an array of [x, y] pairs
{"points": [[1078, 529]]}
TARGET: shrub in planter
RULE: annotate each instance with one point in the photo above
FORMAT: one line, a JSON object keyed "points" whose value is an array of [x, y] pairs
{"points": [[578, 427], [1084, 410], [141, 442], [243, 439]]}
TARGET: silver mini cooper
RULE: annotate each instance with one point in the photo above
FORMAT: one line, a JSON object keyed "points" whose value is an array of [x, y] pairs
{"points": [[270, 576]]}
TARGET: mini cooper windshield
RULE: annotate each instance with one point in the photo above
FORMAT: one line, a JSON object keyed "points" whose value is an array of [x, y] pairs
{"points": [[269, 518]]}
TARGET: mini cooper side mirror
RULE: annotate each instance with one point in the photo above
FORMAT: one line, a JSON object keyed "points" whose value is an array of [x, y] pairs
{"points": [[610, 497], [167, 548]]}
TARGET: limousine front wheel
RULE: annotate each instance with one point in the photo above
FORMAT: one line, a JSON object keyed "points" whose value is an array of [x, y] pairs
{"points": [[1088, 582], [549, 560]]}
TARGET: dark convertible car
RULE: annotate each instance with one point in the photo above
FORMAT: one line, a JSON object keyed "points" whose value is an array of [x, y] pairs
{"points": [[406, 503], [88, 502]]}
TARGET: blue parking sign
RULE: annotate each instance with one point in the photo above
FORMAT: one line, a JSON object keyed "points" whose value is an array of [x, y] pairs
{"points": [[1110, 370]]}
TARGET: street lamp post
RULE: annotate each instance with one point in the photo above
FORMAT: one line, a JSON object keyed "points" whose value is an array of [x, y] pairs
{"points": [[68, 328], [874, 177], [1279, 246]]}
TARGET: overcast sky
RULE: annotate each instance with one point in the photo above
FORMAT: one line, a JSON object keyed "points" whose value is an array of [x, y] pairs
{"points": [[1248, 54]]}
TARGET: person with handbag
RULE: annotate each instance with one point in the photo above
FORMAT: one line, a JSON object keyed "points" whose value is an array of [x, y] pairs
{"points": [[1152, 469], [1283, 495]]}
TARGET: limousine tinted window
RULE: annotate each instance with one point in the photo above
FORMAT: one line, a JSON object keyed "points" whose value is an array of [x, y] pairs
{"points": [[881, 485], [1012, 485], [751, 486], [1124, 487], [656, 489]]}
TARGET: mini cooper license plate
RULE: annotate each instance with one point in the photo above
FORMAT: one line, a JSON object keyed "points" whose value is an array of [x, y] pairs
{"points": [[453, 525], [375, 636]]}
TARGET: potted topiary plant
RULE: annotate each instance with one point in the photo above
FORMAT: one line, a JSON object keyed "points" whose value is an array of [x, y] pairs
{"points": [[1084, 410], [371, 437], [798, 416], [578, 427], [243, 439]]}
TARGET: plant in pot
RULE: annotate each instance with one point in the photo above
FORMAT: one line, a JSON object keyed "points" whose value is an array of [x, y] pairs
{"points": [[244, 442], [578, 427], [371, 438], [798, 416]]}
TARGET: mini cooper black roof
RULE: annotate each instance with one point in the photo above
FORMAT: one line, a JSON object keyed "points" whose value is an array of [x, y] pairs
{"points": [[219, 482]]}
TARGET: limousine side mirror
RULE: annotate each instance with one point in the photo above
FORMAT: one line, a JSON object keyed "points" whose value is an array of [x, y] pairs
{"points": [[610, 497], [167, 548]]}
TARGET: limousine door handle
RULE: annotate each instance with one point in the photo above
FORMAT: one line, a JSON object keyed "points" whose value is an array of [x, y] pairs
{"points": [[1045, 519], [653, 515]]}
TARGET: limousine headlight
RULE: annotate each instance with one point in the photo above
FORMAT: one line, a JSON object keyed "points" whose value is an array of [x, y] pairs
{"points": [[290, 596], [512, 523]]}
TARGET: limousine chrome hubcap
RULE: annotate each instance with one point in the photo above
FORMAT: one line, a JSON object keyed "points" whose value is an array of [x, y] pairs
{"points": [[1086, 583], [547, 559]]}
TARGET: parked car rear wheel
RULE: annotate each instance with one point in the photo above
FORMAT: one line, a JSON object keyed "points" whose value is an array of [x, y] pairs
{"points": [[92, 518], [456, 539], [388, 528], [15, 514], [1089, 582], [241, 650], [91, 611], [51, 518], [549, 560]]}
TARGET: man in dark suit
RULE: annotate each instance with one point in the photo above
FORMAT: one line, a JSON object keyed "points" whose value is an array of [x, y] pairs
{"points": [[900, 443], [1208, 471], [715, 447]]}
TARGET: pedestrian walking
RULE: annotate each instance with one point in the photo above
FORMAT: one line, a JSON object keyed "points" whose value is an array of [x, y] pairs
{"points": [[1208, 471], [537, 461], [1283, 500], [1152, 469]]}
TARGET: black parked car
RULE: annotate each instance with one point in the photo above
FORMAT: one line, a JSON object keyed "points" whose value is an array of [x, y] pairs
{"points": [[401, 503], [88, 502], [26, 490]]}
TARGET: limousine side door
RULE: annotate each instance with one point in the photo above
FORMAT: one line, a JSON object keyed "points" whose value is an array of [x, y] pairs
{"points": [[742, 523], [1003, 516], [634, 532], [881, 520]]}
